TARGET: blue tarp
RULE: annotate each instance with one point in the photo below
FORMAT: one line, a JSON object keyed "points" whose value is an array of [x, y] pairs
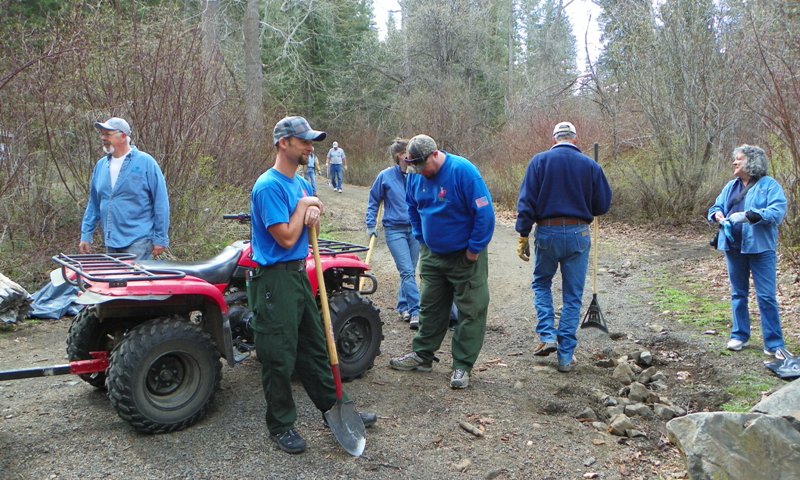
{"points": [[53, 302]]}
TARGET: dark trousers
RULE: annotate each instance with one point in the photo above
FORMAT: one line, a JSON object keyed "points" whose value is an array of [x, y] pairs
{"points": [[289, 337], [447, 279]]}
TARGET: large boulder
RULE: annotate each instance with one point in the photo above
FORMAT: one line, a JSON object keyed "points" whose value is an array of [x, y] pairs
{"points": [[14, 301], [785, 402], [737, 445]]}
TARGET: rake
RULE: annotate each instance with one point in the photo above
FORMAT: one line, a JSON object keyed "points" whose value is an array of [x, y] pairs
{"points": [[594, 316]]}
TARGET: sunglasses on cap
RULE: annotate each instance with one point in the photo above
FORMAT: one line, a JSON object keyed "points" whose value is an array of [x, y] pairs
{"points": [[417, 161]]}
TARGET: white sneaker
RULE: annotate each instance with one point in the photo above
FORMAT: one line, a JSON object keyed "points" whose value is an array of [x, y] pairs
{"points": [[735, 344], [775, 353], [413, 323]]}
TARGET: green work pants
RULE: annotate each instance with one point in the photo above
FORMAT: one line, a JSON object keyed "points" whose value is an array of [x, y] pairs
{"points": [[289, 337], [448, 278]]}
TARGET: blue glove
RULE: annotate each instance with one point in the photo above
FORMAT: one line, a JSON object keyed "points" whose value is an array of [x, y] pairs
{"points": [[371, 232], [738, 217], [727, 228]]}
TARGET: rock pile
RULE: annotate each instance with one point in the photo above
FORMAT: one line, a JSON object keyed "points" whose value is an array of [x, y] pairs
{"points": [[642, 396]]}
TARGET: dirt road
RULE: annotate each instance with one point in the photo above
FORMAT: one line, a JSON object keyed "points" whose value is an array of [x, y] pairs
{"points": [[61, 428]]}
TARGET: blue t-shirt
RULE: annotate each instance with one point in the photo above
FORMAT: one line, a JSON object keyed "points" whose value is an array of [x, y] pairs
{"points": [[453, 210], [273, 200]]}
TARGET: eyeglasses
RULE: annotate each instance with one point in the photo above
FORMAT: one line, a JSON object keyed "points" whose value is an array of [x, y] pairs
{"points": [[107, 133]]}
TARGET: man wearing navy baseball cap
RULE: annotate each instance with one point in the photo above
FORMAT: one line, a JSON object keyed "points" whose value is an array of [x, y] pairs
{"points": [[288, 331], [127, 196]]}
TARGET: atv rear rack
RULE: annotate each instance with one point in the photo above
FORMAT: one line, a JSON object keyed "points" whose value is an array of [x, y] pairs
{"points": [[115, 269]]}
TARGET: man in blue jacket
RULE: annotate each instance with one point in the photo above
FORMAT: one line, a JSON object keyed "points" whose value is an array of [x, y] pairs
{"points": [[127, 197], [452, 217], [563, 190]]}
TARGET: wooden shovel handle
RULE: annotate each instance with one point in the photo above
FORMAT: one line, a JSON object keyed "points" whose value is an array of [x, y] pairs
{"points": [[326, 315]]}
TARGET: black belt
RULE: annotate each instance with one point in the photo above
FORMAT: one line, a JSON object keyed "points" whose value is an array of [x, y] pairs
{"points": [[293, 265], [558, 221]]}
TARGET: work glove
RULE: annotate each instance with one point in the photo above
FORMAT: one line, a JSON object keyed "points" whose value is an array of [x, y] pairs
{"points": [[738, 217], [523, 249], [727, 228], [371, 232], [753, 217]]}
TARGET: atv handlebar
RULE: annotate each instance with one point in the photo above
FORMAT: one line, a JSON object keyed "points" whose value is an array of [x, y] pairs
{"points": [[239, 217]]}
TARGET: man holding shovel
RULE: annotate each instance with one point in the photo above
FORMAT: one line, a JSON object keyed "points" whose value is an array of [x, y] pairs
{"points": [[562, 191], [287, 326]]}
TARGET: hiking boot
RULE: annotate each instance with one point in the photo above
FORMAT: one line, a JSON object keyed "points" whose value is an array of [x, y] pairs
{"points": [[544, 349], [368, 418], [459, 378], [413, 323], [289, 442], [410, 361], [735, 344]]}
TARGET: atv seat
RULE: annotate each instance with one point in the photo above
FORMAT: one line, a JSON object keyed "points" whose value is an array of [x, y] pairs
{"points": [[216, 270]]}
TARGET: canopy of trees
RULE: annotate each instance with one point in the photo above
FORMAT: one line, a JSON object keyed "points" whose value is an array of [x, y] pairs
{"points": [[678, 85]]}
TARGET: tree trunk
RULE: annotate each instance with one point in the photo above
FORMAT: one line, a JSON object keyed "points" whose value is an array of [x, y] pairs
{"points": [[254, 108]]}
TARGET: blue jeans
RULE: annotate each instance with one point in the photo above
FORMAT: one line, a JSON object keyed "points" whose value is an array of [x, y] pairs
{"points": [[312, 179], [405, 251], [336, 175], [763, 267], [142, 248], [568, 247]]}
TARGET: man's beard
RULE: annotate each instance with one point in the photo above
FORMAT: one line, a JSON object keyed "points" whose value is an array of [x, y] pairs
{"points": [[109, 149], [303, 160]]}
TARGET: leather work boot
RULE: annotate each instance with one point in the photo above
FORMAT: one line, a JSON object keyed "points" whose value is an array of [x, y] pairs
{"points": [[544, 349]]}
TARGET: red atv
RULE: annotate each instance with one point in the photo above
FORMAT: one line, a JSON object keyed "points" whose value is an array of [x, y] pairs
{"points": [[166, 324]]}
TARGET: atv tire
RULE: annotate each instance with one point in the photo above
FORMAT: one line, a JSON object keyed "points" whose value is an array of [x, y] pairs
{"points": [[163, 375], [358, 331], [86, 335]]}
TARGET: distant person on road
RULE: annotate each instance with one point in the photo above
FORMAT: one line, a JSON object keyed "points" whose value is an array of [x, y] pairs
{"points": [[311, 170], [452, 217], [562, 191], [749, 210], [390, 188], [287, 327], [127, 196], [336, 161]]}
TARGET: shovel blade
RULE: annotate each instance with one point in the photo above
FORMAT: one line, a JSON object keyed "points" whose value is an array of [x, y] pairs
{"points": [[347, 427], [594, 317]]}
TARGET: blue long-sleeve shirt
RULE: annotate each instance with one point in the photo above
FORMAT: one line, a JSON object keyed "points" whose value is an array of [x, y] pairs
{"points": [[765, 198], [452, 211], [389, 187], [561, 182], [137, 207]]}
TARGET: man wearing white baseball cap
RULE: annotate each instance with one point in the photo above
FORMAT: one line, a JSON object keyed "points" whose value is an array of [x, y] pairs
{"points": [[563, 190], [127, 196]]}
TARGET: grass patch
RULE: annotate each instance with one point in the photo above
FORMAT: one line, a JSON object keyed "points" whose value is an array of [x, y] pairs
{"points": [[746, 392], [689, 303]]}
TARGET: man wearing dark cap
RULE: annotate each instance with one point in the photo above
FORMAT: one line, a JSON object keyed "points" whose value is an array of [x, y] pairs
{"points": [[452, 217], [562, 191], [127, 196], [287, 326]]}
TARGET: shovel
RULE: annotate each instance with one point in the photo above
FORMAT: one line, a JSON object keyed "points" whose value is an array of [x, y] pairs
{"points": [[371, 245], [594, 316], [343, 418]]}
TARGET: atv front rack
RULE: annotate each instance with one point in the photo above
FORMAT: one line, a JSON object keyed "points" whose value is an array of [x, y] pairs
{"points": [[326, 247], [115, 269], [333, 247]]}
